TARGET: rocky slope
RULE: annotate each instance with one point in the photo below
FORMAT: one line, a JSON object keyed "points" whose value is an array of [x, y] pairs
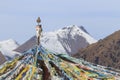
{"points": [[105, 52], [2, 58]]}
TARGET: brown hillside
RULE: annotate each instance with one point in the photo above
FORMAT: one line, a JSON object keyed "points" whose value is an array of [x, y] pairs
{"points": [[105, 52], [2, 58]]}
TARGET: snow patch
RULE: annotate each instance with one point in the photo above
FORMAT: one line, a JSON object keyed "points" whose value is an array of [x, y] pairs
{"points": [[7, 47]]}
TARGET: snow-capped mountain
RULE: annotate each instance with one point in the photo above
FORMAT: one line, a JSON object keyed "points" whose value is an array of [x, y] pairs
{"points": [[7, 47], [66, 40]]}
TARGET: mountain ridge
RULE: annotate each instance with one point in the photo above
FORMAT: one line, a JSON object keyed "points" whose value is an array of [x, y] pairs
{"points": [[105, 52], [66, 40]]}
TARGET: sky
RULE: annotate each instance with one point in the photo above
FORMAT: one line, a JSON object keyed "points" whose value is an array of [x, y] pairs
{"points": [[18, 17]]}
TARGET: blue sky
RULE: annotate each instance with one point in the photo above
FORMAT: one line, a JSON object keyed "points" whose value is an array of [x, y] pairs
{"points": [[17, 17]]}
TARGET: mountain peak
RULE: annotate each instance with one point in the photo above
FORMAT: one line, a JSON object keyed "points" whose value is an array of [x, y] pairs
{"points": [[70, 27], [75, 27]]}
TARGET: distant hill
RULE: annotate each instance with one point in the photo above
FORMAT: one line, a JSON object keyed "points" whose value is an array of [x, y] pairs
{"points": [[105, 52], [2, 58], [66, 40]]}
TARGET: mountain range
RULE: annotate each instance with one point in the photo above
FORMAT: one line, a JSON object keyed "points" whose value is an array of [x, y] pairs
{"points": [[75, 41], [50, 60], [66, 40], [105, 52]]}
